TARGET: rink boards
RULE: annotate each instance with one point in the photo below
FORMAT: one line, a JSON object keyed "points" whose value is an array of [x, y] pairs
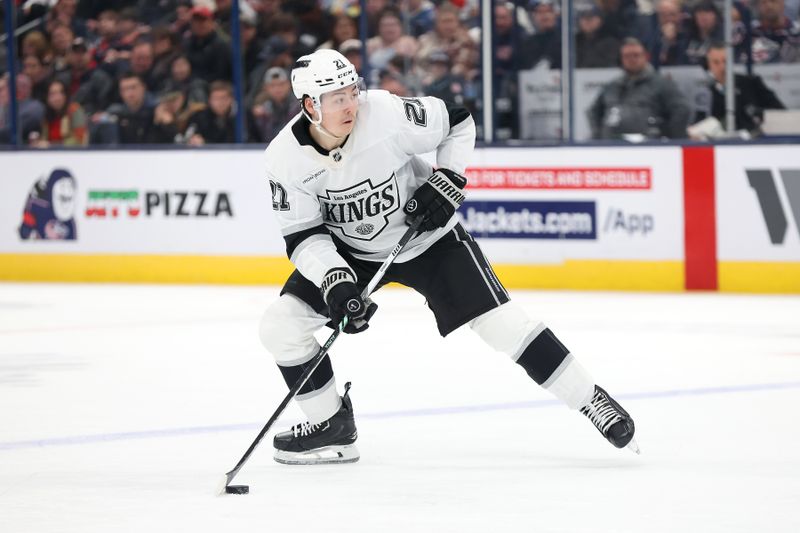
{"points": [[634, 218]]}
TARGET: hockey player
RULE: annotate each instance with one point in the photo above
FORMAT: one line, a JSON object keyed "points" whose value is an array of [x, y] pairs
{"points": [[345, 177]]}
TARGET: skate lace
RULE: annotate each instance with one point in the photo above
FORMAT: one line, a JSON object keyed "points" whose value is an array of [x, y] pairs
{"points": [[306, 428], [601, 413]]}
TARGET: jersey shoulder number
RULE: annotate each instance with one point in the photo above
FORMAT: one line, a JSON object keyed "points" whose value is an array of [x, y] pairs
{"points": [[280, 200], [415, 111]]}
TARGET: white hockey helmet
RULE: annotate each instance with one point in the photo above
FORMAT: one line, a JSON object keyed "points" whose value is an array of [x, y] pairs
{"points": [[322, 72]]}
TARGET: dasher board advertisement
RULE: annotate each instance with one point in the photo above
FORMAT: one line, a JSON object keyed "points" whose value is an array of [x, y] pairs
{"points": [[758, 203], [552, 205], [137, 202]]}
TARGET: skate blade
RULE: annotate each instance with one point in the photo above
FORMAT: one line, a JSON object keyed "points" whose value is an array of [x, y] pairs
{"points": [[321, 456], [634, 447]]}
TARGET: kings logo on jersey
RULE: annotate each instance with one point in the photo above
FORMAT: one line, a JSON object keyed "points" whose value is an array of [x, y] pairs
{"points": [[361, 211]]}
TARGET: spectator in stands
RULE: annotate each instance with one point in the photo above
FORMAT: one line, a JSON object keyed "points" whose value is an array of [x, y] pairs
{"points": [[705, 27], [30, 112], [640, 102], [133, 117], [130, 29], [166, 47], [224, 10], [155, 12], [776, 38], [141, 63], [216, 123], [252, 45], [619, 16], [107, 37], [421, 16], [450, 35], [65, 122], [36, 44], [351, 49], [442, 83], [173, 112], [394, 84], [266, 10], [752, 94], [405, 69], [391, 40], [63, 12], [740, 32], [222, 14], [284, 46], [86, 84], [314, 24], [208, 53], [182, 80], [509, 39], [274, 106], [40, 75], [281, 50], [181, 26], [61, 39], [374, 10], [595, 47], [667, 38], [545, 43], [344, 28]]}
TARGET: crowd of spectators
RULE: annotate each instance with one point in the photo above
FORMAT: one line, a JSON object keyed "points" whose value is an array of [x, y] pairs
{"points": [[160, 71]]}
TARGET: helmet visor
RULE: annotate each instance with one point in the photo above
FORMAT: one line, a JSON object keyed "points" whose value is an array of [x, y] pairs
{"points": [[343, 98]]}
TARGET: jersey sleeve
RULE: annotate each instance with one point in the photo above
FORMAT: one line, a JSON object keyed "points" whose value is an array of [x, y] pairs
{"points": [[308, 242], [427, 124]]}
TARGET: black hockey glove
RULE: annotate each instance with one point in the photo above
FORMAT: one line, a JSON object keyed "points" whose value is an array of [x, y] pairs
{"points": [[341, 294], [437, 199]]}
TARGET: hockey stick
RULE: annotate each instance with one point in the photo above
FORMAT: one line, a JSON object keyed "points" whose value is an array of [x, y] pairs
{"points": [[314, 363]]}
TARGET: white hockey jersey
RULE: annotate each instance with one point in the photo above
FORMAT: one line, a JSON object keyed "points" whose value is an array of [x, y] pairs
{"points": [[357, 192]]}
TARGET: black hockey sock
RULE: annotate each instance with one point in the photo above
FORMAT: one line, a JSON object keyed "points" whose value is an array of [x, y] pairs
{"points": [[542, 356], [321, 376]]}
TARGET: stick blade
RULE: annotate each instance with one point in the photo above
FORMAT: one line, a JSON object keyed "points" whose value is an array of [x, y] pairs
{"points": [[237, 489], [223, 487]]}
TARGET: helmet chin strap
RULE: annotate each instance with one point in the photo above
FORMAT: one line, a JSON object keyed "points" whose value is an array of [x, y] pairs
{"points": [[318, 124]]}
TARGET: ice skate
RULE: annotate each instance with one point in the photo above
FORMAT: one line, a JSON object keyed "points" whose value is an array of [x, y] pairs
{"points": [[611, 420], [331, 441]]}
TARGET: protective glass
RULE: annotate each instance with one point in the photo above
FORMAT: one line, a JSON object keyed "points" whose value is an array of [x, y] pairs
{"points": [[343, 98]]}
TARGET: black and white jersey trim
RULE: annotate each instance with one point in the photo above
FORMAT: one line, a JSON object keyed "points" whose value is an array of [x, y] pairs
{"points": [[456, 113], [300, 226], [296, 241]]}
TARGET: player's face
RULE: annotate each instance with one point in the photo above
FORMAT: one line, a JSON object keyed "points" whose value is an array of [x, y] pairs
{"points": [[339, 110]]}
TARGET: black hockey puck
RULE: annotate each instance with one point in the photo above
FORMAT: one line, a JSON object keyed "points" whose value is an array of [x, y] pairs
{"points": [[237, 489]]}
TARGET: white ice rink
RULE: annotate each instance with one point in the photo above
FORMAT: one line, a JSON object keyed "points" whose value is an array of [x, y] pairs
{"points": [[122, 406]]}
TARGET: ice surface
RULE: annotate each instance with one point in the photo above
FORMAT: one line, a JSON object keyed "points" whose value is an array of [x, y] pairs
{"points": [[122, 406]]}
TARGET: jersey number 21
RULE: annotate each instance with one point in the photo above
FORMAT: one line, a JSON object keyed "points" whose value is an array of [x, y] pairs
{"points": [[279, 202]]}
